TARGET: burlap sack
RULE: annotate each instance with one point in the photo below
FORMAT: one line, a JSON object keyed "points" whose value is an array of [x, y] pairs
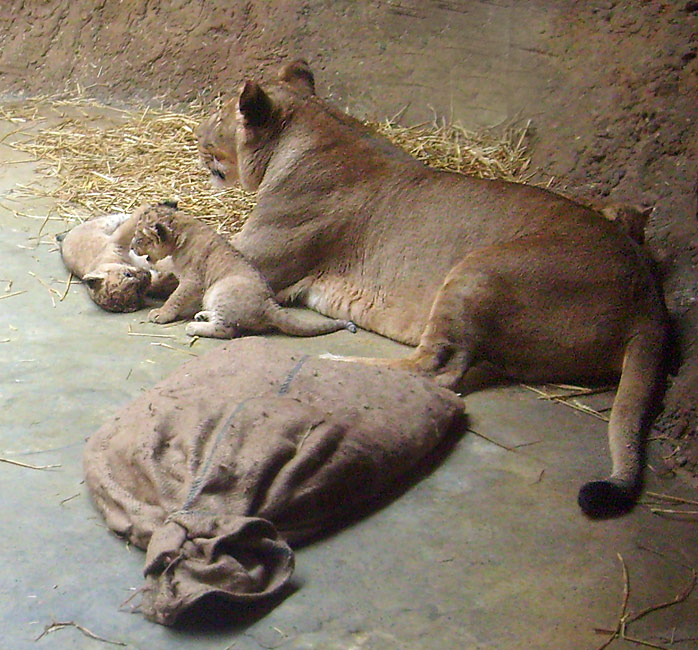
{"points": [[219, 467]]}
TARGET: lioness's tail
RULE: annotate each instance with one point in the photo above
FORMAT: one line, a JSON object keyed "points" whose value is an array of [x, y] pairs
{"points": [[288, 322], [642, 373]]}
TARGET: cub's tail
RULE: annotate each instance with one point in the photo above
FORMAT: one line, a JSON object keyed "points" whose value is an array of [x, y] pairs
{"points": [[288, 322], [640, 382]]}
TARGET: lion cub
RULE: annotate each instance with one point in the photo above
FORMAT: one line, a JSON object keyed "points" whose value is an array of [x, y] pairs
{"points": [[212, 274], [97, 252]]}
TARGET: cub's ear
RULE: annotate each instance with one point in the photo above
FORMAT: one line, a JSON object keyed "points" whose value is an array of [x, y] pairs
{"points": [[254, 105], [298, 74], [94, 280], [162, 232]]}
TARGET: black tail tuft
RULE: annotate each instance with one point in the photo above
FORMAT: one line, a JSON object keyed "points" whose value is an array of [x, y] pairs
{"points": [[605, 499]]}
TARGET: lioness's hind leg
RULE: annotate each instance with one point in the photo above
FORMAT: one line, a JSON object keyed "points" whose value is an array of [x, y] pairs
{"points": [[457, 325], [451, 341]]}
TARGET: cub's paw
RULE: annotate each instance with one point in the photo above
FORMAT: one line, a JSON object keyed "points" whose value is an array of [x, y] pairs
{"points": [[159, 316], [203, 316], [210, 330]]}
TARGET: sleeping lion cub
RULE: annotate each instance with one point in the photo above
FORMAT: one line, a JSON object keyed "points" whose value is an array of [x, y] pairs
{"points": [[235, 297], [97, 252]]}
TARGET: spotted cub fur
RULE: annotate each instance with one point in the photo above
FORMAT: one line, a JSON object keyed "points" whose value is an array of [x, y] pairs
{"points": [[97, 252]]}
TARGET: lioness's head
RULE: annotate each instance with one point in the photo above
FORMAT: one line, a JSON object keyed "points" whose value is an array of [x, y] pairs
{"points": [[155, 234], [118, 287], [231, 141], [217, 148]]}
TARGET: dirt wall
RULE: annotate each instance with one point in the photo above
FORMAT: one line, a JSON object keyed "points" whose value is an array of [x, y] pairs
{"points": [[611, 89]]}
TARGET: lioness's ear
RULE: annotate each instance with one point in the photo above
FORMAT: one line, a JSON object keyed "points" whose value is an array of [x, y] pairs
{"points": [[298, 74], [254, 105]]}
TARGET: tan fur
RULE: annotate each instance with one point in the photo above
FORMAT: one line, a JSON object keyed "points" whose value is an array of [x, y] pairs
{"points": [[471, 271], [217, 151], [97, 252], [214, 277]]}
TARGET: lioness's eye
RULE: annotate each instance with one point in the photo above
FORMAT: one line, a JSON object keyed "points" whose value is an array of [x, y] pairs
{"points": [[128, 274]]}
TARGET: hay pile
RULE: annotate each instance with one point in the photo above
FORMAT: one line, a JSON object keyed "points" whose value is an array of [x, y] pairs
{"points": [[486, 153], [108, 160]]}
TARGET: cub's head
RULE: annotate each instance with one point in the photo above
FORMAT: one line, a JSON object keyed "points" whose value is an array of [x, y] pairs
{"points": [[118, 287], [235, 143], [155, 236]]}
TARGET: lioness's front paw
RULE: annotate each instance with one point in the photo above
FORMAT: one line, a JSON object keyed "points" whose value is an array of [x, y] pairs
{"points": [[158, 316]]}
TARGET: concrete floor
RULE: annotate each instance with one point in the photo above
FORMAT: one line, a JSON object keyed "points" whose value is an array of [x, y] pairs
{"points": [[489, 551]]}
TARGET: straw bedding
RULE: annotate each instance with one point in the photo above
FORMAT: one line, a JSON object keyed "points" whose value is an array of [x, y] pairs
{"points": [[107, 160]]}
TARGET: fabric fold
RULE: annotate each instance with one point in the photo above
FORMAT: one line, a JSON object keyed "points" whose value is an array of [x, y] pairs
{"points": [[239, 559]]}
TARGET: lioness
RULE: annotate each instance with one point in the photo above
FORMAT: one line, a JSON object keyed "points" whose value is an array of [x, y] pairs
{"points": [[234, 295], [471, 271], [97, 252]]}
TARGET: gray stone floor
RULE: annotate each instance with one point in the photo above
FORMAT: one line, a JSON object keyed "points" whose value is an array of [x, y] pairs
{"points": [[488, 551]]}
